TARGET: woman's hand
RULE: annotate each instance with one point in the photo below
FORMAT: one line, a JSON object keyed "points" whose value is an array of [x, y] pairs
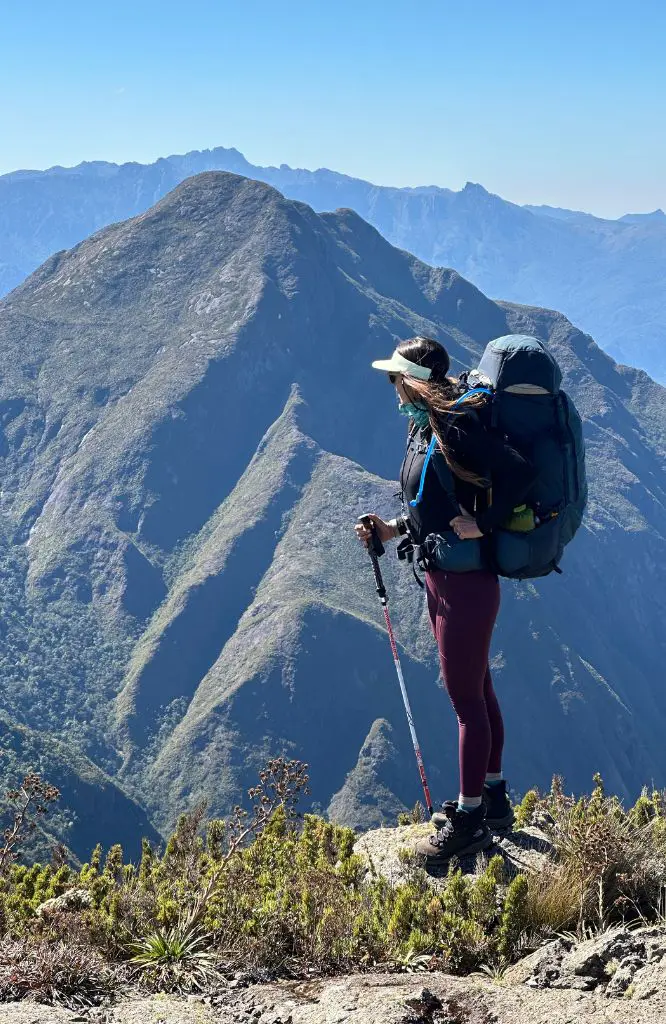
{"points": [[384, 530], [465, 527]]}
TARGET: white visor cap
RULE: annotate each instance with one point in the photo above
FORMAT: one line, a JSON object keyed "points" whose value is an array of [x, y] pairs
{"points": [[398, 364]]}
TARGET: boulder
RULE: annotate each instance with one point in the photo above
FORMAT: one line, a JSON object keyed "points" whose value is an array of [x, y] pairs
{"points": [[542, 963], [73, 899], [384, 849], [620, 962]]}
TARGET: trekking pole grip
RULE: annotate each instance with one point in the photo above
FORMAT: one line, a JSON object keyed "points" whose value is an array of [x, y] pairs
{"points": [[375, 549]]}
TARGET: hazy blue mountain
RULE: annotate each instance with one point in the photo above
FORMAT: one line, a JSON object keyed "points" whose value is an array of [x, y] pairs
{"points": [[560, 213], [190, 427], [607, 276], [656, 217]]}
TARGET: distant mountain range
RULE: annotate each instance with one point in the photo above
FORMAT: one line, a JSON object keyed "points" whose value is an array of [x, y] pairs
{"points": [[190, 428], [605, 275]]}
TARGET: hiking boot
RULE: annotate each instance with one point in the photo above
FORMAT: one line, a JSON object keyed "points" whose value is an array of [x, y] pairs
{"points": [[499, 814], [463, 833]]}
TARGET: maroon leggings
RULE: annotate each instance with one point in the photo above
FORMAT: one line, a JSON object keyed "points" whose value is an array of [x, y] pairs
{"points": [[463, 607]]}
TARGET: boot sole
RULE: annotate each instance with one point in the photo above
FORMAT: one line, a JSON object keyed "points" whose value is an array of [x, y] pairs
{"points": [[477, 846]]}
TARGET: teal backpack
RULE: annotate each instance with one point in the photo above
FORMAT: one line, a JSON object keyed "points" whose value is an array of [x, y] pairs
{"points": [[531, 412]]}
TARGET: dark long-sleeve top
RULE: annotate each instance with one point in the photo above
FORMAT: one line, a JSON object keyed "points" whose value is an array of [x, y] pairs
{"points": [[508, 475]]}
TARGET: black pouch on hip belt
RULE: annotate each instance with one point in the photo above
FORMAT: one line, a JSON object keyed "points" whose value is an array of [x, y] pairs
{"points": [[448, 552]]}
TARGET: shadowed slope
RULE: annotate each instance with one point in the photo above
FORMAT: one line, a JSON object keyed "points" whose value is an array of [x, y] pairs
{"points": [[92, 808]]}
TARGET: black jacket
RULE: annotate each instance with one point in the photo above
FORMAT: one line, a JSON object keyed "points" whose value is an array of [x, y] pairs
{"points": [[474, 448]]}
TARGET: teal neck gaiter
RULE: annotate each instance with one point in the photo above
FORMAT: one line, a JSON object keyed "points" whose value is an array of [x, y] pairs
{"points": [[417, 413]]}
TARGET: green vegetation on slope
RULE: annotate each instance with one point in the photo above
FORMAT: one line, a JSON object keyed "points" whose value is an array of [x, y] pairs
{"points": [[273, 893]]}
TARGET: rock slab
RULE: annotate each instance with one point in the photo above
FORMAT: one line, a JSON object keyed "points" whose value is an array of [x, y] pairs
{"points": [[382, 849], [419, 999]]}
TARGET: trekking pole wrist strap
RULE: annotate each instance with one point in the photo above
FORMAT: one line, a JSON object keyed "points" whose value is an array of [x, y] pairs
{"points": [[398, 526]]}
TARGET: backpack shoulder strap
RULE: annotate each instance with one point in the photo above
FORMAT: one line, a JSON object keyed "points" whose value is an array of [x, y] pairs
{"points": [[433, 443], [419, 494], [474, 391]]}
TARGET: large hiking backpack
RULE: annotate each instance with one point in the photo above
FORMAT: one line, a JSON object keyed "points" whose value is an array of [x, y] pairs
{"points": [[540, 421]]}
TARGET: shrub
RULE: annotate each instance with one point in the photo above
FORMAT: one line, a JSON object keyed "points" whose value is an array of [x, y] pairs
{"points": [[23, 807], [524, 812], [608, 864], [515, 919], [416, 816]]}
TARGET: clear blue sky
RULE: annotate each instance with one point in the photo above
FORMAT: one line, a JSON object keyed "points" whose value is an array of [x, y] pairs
{"points": [[541, 101]]}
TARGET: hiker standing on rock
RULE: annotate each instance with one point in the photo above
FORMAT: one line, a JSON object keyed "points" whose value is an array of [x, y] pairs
{"points": [[460, 481]]}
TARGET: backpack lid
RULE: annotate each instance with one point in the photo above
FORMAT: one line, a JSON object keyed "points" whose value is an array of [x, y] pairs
{"points": [[518, 359]]}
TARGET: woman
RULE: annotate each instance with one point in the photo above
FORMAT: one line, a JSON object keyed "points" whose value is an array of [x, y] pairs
{"points": [[471, 484]]}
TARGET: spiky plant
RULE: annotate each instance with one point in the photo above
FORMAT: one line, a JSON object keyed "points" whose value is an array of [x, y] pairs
{"points": [[176, 959], [53, 972]]}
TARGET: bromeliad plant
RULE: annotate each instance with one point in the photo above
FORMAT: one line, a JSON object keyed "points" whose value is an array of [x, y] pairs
{"points": [[178, 958]]}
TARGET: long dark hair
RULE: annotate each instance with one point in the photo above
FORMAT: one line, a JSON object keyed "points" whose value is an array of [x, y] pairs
{"points": [[439, 395]]}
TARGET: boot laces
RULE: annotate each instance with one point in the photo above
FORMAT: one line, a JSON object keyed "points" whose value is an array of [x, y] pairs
{"points": [[443, 834]]}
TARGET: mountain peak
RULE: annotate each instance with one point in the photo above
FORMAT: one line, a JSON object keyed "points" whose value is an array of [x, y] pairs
{"points": [[473, 188], [657, 216]]}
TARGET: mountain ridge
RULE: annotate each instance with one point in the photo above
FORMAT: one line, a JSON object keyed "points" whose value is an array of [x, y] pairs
{"points": [[605, 275]]}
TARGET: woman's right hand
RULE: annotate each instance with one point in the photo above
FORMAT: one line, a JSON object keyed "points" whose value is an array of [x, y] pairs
{"points": [[385, 531]]}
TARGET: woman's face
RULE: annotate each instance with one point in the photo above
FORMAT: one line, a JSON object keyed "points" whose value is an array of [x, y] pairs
{"points": [[402, 394]]}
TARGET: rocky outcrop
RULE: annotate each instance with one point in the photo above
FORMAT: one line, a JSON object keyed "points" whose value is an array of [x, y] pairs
{"points": [[383, 850], [620, 962], [367, 798]]}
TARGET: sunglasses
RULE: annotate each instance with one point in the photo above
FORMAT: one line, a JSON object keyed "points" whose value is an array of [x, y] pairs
{"points": [[393, 377]]}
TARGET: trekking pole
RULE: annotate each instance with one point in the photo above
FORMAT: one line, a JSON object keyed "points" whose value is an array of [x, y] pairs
{"points": [[375, 550]]}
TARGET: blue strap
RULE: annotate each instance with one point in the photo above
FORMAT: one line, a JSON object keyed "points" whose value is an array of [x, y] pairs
{"points": [[474, 391], [431, 447]]}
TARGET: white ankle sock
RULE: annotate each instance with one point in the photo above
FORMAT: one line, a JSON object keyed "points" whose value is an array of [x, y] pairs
{"points": [[492, 778], [469, 803]]}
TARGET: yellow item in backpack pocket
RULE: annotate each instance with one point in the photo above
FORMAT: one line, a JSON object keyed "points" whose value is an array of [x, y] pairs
{"points": [[521, 520]]}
